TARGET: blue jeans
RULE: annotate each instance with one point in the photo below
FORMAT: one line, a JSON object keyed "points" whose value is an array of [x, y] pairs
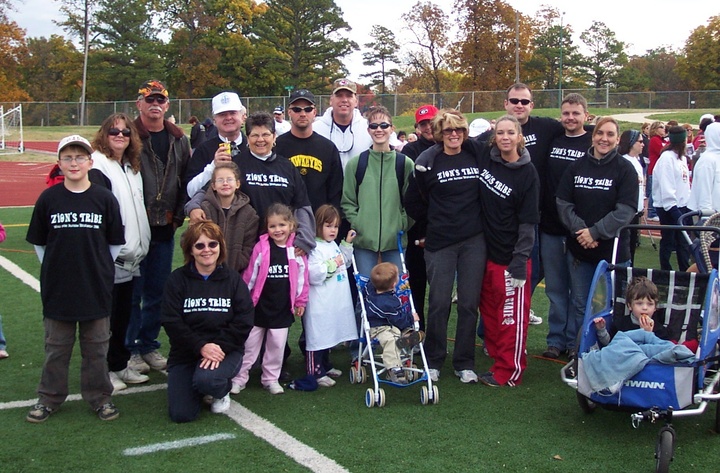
{"points": [[672, 240], [3, 342], [536, 263], [144, 326], [581, 274], [367, 259], [652, 213], [561, 332], [188, 383]]}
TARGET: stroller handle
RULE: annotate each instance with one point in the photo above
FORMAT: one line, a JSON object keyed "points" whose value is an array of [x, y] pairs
{"points": [[404, 270]]}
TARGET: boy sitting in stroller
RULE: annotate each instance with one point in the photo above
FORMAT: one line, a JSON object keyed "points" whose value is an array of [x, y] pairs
{"points": [[389, 323]]}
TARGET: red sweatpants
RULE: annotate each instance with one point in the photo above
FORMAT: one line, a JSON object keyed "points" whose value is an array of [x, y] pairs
{"points": [[505, 311]]}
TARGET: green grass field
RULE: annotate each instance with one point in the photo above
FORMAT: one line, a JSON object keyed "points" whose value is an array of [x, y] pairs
{"points": [[536, 427]]}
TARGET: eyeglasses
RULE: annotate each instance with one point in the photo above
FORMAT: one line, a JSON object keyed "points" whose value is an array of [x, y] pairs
{"points": [[155, 98], [450, 131], [223, 180], [264, 136], [307, 109], [517, 101], [382, 126], [77, 159], [201, 246], [116, 131]]}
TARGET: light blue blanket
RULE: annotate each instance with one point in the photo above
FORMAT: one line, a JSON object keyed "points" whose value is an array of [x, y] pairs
{"points": [[626, 355]]}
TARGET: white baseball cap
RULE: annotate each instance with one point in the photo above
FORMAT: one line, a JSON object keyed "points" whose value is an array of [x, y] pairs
{"points": [[75, 140], [478, 127], [226, 101]]}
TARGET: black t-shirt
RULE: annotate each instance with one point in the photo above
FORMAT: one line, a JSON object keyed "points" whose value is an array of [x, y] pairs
{"points": [[273, 308], [509, 196], [318, 161], [413, 150], [77, 272], [160, 144], [564, 150], [539, 133]]}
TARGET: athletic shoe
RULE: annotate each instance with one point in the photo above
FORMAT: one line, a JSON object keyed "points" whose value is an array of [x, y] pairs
{"points": [[130, 376], [236, 388], [117, 383], [410, 338], [326, 381], [534, 319], [3, 354], [285, 376], [552, 353], [221, 405], [397, 375], [489, 380], [137, 363], [275, 388], [155, 360], [108, 411], [653, 219], [434, 374], [39, 413], [334, 373], [467, 376]]}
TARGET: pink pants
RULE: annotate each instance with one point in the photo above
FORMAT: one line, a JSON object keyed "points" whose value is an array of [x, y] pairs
{"points": [[275, 339]]}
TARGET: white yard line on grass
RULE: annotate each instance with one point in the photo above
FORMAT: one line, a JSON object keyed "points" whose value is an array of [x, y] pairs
{"points": [[261, 428], [174, 445]]}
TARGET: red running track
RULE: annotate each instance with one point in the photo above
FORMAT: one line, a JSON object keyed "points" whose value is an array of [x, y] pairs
{"points": [[22, 183]]}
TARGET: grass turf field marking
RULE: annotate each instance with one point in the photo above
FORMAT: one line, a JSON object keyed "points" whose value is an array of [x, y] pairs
{"points": [[293, 448], [78, 397], [175, 444], [20, 273]]}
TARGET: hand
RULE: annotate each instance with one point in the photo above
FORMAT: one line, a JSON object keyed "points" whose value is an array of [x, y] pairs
{"points": [[208, 365], [299, 311], [416, 317], [339, 261], [197, 216], [585, 239], [212, 352], [599, 323], [299, 252], [223, 153], [517, 283], [647, 323], [350, 236]]}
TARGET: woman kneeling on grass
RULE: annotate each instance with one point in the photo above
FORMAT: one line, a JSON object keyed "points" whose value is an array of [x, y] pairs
{"points": [[207, 314]]}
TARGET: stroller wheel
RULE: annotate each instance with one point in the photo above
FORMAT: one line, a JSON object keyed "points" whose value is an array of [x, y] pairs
{"points": [[369, 397], [436, 395], [381, 397], [587, 406], [363, 374], [353, 375], [424, 396], [664, 449]]}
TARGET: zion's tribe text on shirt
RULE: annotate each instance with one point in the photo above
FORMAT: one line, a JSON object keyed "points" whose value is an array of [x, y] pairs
{"points": [[593, 183], [566, 154], [530, 140], [458, 174], [499, 188], [278, 271], [76, 220], [305, 161], [207, 304], [265, 180]]}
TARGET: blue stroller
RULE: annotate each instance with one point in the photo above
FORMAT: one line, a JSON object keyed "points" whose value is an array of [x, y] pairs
{"points": [[689, 307], [365, 357]]}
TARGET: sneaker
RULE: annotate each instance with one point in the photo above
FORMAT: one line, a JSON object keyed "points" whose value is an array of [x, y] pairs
{"points": [[108, 411], [653, 219], [39, 413], [467, 376], [221, 405], [236, 388], [326, 381], [552, 352], [489, 380], [397, 375], [3, 354], [117, 383], [410, 338], [434, 374], [137, 363], [334, 373], [285, 376], [130, 376], [275, 388], [534, 319], [155, 360]]}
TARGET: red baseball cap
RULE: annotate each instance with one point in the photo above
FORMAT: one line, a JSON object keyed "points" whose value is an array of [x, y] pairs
{"points": [[425, 112]]}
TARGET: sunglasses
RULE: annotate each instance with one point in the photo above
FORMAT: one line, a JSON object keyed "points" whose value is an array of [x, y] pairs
{"points": [[116, 131], [155, 98], [201, 246], [517, 101], [450, 131], [382, 126], [307, 109]]}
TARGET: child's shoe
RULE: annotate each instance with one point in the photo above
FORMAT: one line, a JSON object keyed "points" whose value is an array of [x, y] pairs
{"points": [[410, 338], [397, 375], [326, 381], [334, 373], [108, 411], [39, 413], [275, 388], [221, 405], [3, 354], [236, 388], [489, 380]]}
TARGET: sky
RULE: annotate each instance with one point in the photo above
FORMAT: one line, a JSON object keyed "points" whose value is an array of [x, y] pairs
{"points": [[643, 25]]}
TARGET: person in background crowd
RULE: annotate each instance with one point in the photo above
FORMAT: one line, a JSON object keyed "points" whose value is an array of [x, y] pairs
{"points": [[281, 125], [630, 147], [705, 191], [197, 133], [657, 142]]}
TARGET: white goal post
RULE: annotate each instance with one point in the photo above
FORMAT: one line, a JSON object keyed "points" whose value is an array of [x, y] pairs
{"points": [[11, 131]]}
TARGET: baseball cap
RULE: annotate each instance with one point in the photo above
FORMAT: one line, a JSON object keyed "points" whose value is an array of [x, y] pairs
{"points": [[153, 87], [226, 101], [278, 110], [425, 112], [74, 140], [707, 115], [344, 84], [478, 127], [302, 94]]}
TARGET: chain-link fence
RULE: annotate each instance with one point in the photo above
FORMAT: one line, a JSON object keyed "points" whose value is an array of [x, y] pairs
{"points": [[68, 113]]}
